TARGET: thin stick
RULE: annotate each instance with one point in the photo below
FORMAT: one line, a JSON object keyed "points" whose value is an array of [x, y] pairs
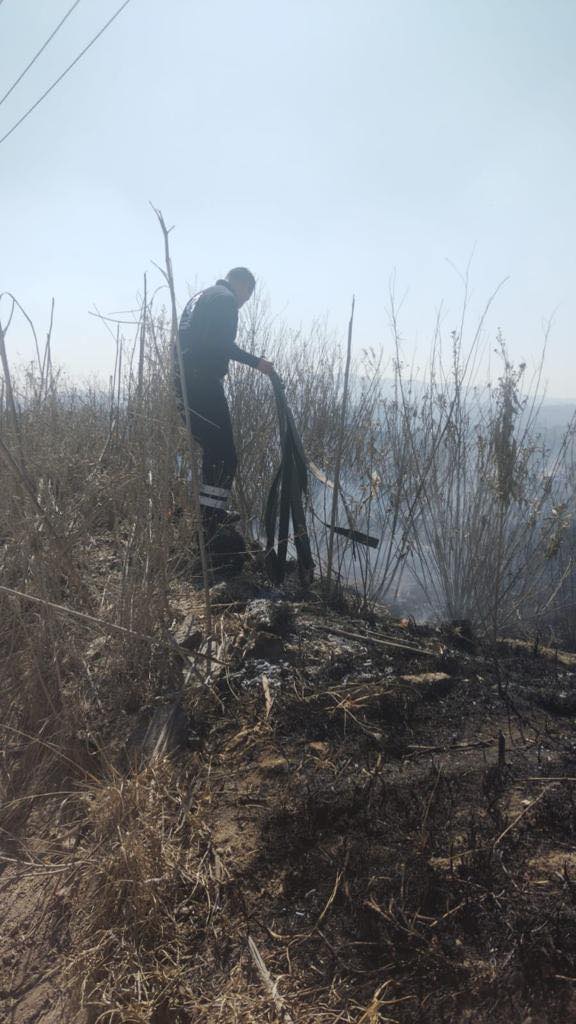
{"points": [[47, 359], [377, 641], [175, 345], [103, 623], [29, 321], [10, 401], [270, 985], [550, 778], [142, 343], [522, 813], [331, 898], [453, 746], [339, 452], [119, 389]]}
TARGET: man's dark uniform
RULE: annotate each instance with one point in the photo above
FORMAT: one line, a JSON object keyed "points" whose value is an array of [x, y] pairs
{"points": [[207, 335]]}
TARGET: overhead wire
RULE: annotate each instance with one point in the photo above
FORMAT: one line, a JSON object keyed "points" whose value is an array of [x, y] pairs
{"points": [[40, 51], [64, 73]]}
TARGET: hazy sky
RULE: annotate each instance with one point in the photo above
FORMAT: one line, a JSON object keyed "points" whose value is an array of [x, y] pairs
{"points": [[325, 144]]}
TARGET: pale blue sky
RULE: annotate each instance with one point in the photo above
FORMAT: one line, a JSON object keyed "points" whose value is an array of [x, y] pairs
{"points": [[322, 143]]}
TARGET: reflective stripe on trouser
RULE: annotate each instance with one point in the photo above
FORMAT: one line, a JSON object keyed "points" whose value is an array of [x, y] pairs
{"points": [[219, 503], [215, 492]]}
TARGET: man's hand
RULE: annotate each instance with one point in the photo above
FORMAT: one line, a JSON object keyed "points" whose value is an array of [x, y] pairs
{"points": [[265, 367]]}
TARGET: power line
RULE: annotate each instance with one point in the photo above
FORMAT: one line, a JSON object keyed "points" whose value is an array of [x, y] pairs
{"points": [[36, 55], [64, 73]]}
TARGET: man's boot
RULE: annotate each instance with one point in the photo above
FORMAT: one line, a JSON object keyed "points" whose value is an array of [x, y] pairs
{"points": [[227, 548]]}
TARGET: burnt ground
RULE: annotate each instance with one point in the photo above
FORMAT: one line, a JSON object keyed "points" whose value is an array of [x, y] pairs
{"points": [[388, 815]]}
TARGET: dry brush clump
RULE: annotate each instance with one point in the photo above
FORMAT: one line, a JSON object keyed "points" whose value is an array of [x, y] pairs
{"points": [[146, 897], [471, 504], [85, 540], [489, 502]]}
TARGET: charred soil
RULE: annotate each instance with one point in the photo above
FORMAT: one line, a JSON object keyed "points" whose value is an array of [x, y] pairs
{"points": [[335, 820]]}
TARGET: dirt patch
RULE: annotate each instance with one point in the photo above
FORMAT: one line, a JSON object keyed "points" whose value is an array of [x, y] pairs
{"points": [[33, 942]]}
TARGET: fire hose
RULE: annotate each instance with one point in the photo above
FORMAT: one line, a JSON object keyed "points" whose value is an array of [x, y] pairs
{"points": [[286, 497]]}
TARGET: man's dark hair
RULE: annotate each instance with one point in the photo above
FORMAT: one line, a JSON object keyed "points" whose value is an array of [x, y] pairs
{"points": [[243, 276]]}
